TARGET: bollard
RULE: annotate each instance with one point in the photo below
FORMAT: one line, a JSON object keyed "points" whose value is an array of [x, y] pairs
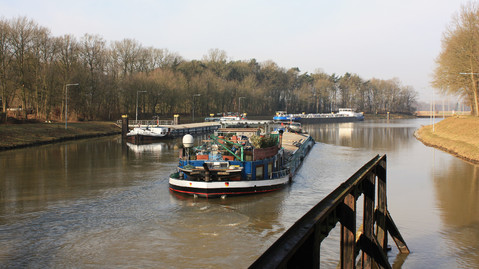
{"points": [[124, 127], [176, 119]]}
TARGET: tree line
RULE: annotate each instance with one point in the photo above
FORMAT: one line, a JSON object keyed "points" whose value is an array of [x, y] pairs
{"points": [[457, 66], [112, 77]]}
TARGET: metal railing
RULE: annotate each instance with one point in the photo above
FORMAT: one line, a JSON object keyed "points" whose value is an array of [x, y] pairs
{"points": [[146, 122], [280, 174], [300, 245]]}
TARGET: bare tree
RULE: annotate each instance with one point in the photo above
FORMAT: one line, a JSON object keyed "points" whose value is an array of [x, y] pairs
{"points": [[23, 33], [127, 54], [68, 58], [6, 58], [93, 55], [458, 63]]}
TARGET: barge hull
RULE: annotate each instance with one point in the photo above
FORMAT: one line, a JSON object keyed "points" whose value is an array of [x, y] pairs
{"points": [[329, 120], [228, 188]]}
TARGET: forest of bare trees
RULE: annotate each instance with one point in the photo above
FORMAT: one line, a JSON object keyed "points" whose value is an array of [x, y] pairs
{"points": [[35, 68]]}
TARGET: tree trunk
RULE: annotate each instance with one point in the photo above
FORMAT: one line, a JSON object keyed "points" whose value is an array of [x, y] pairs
{"points": [[24, 102], [474, 105]]}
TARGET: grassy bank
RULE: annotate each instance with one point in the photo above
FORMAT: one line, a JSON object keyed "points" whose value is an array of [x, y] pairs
{"points": [[456, 135], [31, 134]]}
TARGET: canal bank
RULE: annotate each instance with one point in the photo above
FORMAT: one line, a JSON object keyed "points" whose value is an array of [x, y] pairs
{"points": [[457, 136], [34, 134]]}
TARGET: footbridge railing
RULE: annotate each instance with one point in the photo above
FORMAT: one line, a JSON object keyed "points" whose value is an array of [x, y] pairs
{"points": [[300, 246], [136, 123]]}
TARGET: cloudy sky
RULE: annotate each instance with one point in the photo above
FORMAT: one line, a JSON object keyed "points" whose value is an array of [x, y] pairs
{"points": [[372, 38]]}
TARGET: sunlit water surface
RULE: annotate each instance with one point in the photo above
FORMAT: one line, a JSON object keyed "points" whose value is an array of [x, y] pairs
{"points": [[94, 203]]}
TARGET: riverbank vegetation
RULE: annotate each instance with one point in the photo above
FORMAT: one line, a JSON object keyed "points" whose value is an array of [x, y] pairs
{"points": [[112, 77], [456, 135], [31, 134], [457, 70]]}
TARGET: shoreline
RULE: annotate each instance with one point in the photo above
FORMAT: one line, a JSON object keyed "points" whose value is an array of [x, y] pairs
{"points": [[446, 150], [56, 140], [17, 136], [455, 136]]}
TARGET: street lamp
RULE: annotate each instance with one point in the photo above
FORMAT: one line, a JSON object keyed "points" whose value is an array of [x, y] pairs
{"points": [[136, 117], [66, 102], [194, 95], [239, 104]]}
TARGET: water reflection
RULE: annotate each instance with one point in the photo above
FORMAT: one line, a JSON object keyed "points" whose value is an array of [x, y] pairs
{"points": [[379, 135], [153, 147], [95, 203], [434, 199], [31, 178], [457, 196]]}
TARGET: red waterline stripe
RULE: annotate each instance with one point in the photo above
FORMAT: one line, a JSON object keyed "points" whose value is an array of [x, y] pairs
{"points": [[221, 193]]}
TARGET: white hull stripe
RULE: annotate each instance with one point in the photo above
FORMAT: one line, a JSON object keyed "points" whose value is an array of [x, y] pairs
{"points": [[228, 184]]}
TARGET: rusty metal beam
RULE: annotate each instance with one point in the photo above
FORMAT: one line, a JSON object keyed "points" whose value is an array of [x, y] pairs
{"points": [[347, 218], [368, 211], [299, 246], [372, 248], [381, 232], [396, 235]]}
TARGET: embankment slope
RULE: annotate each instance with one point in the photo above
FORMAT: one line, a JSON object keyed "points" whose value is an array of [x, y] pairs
{"points": [[31, 134], [458, 136]]}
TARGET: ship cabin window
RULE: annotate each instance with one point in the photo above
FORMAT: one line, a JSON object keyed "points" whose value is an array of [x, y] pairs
{"points": [[217, 165], [259, 172], [270, 170]]}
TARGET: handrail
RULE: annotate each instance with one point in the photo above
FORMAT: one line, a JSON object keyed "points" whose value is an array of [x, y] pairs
{"points": [[300, 245], [280, 173], [147, 122]]}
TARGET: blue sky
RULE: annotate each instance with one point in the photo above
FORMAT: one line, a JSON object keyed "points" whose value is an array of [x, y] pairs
{"points": [[372, 38]]}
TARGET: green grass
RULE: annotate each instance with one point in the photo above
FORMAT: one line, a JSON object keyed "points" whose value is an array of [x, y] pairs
{"points": [[18, 135]]}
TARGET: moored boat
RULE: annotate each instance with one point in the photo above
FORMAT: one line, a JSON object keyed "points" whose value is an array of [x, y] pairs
{"points": [[234, 161], [349, 112], [343, 115], [147, 134], [284, 116], [229, 116]]}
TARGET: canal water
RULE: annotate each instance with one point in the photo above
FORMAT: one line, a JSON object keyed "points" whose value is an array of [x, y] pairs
{"points": [[96, 204]]}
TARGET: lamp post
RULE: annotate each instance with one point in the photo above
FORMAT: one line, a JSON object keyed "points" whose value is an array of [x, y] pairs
{"points": [[136, 117], [66, 102], [239, 104], [433, 111], [194, 95]]}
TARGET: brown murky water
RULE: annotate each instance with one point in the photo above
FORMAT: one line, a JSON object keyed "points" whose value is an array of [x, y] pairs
{"points": [[93, 203]]}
